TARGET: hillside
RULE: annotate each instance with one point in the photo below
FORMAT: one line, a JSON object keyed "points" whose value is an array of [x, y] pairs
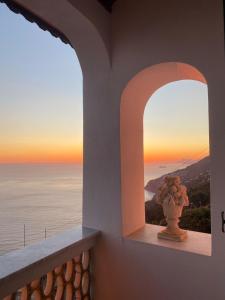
{"points": [[196, 178], [193, 175]]}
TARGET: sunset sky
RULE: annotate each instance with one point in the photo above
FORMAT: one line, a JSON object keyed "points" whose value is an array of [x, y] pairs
{"points": [[40, 94], [41, 103], [176, 123]]}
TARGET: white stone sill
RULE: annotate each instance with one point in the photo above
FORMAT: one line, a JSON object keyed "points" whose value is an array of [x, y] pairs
{"points": [[197, 242]]}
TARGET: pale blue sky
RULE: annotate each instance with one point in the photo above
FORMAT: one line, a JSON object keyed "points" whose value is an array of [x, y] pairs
{"points": [[41, 99], [40, 84]]}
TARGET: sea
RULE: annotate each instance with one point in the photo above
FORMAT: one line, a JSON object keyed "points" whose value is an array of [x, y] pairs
{"points": [[38, 201]]}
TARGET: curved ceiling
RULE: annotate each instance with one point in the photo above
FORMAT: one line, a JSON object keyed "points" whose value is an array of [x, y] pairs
{"points": [[107, 4]]}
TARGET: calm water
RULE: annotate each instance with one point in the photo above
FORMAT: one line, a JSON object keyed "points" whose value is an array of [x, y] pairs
{"points": [[45, 197], [39, 196]]}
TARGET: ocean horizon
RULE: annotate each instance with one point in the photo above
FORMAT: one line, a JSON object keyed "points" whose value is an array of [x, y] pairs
{"points": [[46, 198]]}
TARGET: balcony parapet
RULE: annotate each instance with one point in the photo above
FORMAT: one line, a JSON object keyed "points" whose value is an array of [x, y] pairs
{"points": [[58, 268]]}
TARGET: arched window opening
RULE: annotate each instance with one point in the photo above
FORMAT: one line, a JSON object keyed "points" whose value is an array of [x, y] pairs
{"points": [[133, 101], [176, 143], [41, 129]]}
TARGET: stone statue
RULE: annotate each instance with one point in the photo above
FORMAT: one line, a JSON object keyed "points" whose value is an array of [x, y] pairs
{"points": [[172, 196]]}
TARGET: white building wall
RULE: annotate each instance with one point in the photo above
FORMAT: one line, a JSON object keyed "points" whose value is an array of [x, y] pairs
{"points": [[144, 33]]}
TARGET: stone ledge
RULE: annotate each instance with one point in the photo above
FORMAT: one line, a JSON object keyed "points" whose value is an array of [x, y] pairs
{"points": [[20, 267], [197, 242]]}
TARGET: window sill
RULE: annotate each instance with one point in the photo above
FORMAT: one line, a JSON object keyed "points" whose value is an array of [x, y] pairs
{"points": [[197, 242]]}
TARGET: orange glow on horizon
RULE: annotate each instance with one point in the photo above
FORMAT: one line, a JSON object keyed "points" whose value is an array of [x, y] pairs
{"points": [[60, 154], [51, 154], [167, 156]]}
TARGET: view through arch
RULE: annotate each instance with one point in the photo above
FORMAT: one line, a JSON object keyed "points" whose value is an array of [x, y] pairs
{"points": [[41, 129], [133, 101], [176, 143]]}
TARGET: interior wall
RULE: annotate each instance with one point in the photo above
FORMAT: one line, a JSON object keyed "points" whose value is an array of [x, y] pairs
{"points": [[190, 33], [145, 34]]}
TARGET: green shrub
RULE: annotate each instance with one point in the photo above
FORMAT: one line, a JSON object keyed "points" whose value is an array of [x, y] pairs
{"points": [[196, 219]]}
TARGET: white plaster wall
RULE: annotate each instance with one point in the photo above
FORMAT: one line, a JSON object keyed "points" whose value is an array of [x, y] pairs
{"points": [[144, 33], [97, 15], [192, 32]]}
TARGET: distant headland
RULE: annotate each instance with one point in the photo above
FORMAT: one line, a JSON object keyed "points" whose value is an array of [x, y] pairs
{"points": [[196, 178]]}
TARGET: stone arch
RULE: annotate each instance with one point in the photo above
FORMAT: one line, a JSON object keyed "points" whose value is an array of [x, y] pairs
{"points": [[86, 27], [133, 100], [77, 27]]}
